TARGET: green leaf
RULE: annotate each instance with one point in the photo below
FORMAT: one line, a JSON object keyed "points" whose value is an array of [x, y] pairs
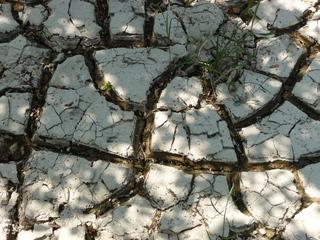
{"points": [[211, 69], [238, 102], [249, 6], [255, 13], [106, 87]]}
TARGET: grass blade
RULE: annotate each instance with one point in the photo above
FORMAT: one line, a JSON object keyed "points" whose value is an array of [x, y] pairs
{"points": [[255, 13]]}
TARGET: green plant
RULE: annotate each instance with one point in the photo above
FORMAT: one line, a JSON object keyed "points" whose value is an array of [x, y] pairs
{"points": [[255, 11], [254, 16], [106, 87], [228, 53], [240, 99], [249, 6], [224, 213], [227, 60], [168, 22], [229, 56]]}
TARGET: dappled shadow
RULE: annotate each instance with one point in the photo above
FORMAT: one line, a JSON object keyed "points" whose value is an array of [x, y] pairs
{"points": [[68, 190], [270, 196], [63, 187], [74, 111]]}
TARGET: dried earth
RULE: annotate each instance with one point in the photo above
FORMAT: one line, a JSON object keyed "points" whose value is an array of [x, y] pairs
{"points": [[141, 119]]}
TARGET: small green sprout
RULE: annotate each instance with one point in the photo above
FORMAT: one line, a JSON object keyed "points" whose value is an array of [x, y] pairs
{"points": [[106, 87]]}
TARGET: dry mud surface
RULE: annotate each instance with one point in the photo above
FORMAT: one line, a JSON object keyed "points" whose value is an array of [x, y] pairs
{"points": [[141, 119]]}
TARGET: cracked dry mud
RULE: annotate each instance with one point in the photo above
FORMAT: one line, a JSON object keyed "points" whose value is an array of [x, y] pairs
{"points": [[109, 130]]}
